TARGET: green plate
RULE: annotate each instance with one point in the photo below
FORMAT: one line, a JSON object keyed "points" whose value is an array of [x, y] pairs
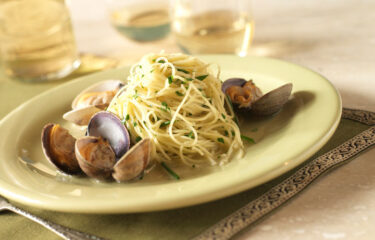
{"points": [[283, 141]]}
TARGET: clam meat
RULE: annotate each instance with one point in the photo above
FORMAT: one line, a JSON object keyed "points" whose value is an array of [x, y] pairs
{"points": [[58, 147]]}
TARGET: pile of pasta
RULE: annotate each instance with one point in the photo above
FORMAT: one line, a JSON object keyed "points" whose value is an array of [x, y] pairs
{"points": [[174, 100]]}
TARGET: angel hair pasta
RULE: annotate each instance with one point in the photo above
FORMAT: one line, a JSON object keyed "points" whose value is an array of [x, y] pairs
{"points": [[174, 100]]}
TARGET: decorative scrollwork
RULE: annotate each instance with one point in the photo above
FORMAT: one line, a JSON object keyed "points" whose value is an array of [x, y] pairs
{"points": [[282, 192]]}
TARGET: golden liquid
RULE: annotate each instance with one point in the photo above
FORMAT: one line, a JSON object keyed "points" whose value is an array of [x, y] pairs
{"points": [[37, 40], [215, 32], [140, 24]]}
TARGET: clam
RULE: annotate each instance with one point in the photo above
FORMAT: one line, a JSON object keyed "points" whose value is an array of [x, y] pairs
{"points": [[95, 157], [99, 94], [109, 126], [134, 162], [58, 147], [103, 154], [247, 96], [92, 100]]}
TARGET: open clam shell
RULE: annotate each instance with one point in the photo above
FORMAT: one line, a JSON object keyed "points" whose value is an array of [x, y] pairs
{"points": [[134, 162], [98, 94], [247, 96], [273, 101], [81, 116], [95, 157], [58, 147], [110, 127]]}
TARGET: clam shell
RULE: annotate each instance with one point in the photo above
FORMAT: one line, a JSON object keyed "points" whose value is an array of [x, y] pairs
{"points": [[134, 162], [58, 147], [110, 127], [81, 116], [273, 101], [107, 85], [95, 157]]}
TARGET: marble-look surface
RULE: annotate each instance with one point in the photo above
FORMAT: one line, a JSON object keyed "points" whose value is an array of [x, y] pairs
{"points": [[335, 38]]}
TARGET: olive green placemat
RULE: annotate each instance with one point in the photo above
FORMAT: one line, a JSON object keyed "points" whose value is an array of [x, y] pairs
{"points": [[184, 223]]}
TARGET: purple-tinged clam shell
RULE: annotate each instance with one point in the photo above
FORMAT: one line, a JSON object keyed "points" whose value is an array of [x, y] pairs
{"points": [[232, 82], [246, 96], [109, 126]]}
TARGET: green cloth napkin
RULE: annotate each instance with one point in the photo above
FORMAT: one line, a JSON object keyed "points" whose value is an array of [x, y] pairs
{"points": [[183, 223]]}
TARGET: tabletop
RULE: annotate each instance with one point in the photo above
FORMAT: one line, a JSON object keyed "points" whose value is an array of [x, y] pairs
{"points": [[335, 38]]}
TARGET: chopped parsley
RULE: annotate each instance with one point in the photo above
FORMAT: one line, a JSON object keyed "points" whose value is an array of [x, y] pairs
{"points": [[161, 61], [226, 133], [134, 124], [233, 133], [165, 107], [182, 70], [166, 123], [220, 140], [189, 79], [190, 135], [223, 115], [127, 117], [179, 94], [170, 171], [170, 79], [250, 140], [152, 70], [201, 78], [137, 139]]}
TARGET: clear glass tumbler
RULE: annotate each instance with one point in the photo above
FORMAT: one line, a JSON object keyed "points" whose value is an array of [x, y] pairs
{"points": [[36, 40], [212, 26], [140, 20]]}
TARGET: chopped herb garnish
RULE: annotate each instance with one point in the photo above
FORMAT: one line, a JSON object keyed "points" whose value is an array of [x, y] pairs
{"points": [[161, 61], [137, 139], [127, 117], [190, 135], [142, 75], [182, 70], [250, 140], [152, 70], [170, 171], [166, 123], [134, 124], [170, 79], [179, 94], [140, 66], [154, 60], [220, 140], [201, 78], [165, 107], [233, 133], [193, 166], [189, 79], [226, 133], [190, 114]]}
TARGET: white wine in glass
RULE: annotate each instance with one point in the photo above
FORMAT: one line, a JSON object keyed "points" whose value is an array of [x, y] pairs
{"points": [[221, 30], [140, 21]]}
